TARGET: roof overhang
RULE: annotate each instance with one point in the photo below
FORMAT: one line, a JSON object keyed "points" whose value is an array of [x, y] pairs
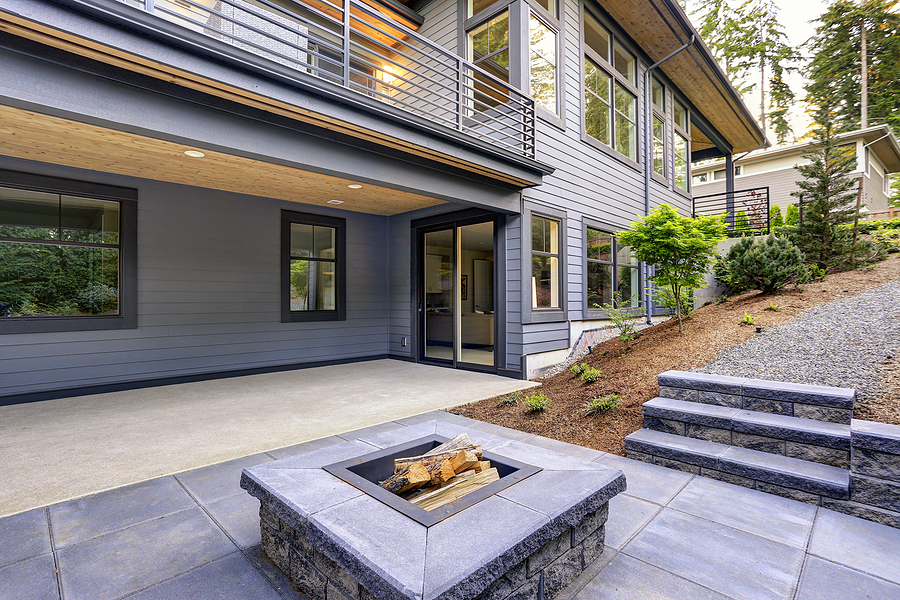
{"points": [[883, 144], [660, 27]]}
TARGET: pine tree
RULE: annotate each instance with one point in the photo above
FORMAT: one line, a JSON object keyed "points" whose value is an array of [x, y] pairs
{"points": [[827, 195], [834, 73]]}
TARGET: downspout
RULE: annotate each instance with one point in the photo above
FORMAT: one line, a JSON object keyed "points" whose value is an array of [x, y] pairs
{"points": [[648, 156]]}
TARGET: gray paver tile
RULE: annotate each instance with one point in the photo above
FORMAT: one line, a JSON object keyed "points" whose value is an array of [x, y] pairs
{"points": [[484, 439], [421, 418], [34, 579], [305, 447], [371, 430], [824, 580], [513, 434], [542, 457], [626, 578], [314, 459], [239, 517], [563, 447], [732, 562], [125, 561], [554, 493], [215, 482], [778, 519], [649, 482], [863, 545], [89, 517], [400, 434], [276, 578], [229, 578], [302, 491], [23, 536], [626, 517]]}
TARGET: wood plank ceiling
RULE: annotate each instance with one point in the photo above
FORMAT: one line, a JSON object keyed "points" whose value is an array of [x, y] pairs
{"points": [[34, 136]]}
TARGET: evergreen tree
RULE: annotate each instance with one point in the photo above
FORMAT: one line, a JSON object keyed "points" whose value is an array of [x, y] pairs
{"points": [[834, 73], [827, 195]]}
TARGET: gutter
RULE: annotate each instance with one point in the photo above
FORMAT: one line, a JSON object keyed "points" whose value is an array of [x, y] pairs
{"points": [[648, 155]]}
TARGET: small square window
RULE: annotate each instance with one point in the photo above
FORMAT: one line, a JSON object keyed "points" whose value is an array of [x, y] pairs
{"points": [[313, 271], [659, 94], [680, 116], [624, 63]]}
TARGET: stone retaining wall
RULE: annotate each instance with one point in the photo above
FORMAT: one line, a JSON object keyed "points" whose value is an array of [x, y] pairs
{"points": [[874, 473]]}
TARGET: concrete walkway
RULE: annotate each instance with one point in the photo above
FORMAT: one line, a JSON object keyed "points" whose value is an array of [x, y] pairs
{"points": [[671, 535], [62, 449]]}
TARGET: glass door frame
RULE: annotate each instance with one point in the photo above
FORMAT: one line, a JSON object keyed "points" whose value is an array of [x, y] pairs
{"points": [[419, 292]]}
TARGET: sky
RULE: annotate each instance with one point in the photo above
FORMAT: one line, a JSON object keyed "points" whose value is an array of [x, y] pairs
{"points": [[795, 16]]}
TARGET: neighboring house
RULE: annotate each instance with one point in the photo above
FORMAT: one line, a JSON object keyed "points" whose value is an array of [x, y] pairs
{"points": [[198, 187], [875, 148]]}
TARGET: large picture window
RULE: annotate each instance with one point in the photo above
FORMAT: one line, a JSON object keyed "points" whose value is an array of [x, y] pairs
{"points": [[545, 288], [313, 277], [63, 257], [611, 269], [610, 89]]}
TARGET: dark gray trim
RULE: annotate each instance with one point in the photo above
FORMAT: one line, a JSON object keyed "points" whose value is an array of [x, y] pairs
{"points": [[340, 264], [544, 315], [127, 199], [163, 381]]}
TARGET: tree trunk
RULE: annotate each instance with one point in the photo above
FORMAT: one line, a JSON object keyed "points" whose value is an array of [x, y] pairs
{"points": [[864, 76], [677, 293]]}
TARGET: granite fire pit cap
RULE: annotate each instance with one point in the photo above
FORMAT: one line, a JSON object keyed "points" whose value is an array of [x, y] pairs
{"points": [[394, 556]]}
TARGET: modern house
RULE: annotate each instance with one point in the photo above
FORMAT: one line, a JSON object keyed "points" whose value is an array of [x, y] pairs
{"points": [[877, 155], [191, 188]]}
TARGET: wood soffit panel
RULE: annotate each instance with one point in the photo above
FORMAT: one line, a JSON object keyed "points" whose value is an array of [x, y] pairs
{"points": [[38, 32], [654, 29], [34, 136]]}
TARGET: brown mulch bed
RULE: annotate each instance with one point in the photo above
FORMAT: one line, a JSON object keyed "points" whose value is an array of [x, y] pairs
{"points": [[630, 370]]}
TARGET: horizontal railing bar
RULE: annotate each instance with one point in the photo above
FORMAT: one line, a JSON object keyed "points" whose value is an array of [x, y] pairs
{"points": [[280, 10]]}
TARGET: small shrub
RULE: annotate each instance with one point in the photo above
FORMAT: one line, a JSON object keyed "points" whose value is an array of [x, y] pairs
{"points": [[773, 307], [510, 399], [97, 297], [537, 402], [890, 238], [791, 215], [748, 319], [623, 314], [871, 226], [601, 404], [579, 368], [767, 265], [814, 273], [665, 298], [590, 375], [775, 217]]}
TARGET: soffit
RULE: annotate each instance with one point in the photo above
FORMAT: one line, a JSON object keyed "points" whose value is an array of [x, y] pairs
{"points": [[659, 27], [884, 145], [34, 136]]}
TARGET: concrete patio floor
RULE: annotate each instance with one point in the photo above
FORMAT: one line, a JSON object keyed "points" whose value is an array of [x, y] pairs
{"points": [[57, 450], [671, 535]]}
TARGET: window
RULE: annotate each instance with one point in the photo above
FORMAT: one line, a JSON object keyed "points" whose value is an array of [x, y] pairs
{"points": [[489, 49], [313, 271], [701, 178], [545, 288], [682, 138], [542, 63], [737, 170], [67, 255], [658, 94], [719, 175], [610, 268], [610, 89]]}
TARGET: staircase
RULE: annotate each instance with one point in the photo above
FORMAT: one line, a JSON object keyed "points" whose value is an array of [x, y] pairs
{"points": [[797, 441]]}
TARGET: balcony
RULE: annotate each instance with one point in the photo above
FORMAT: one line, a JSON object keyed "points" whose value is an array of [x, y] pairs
{"points": [[370, 48], [746, 211]]}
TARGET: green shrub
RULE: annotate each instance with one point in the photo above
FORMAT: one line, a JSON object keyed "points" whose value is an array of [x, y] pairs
{"points": [[510, 399], [748, 319], [601, 404], [814, 273], [579, 368], [537, 402], [97, 297], [890, 238], [775, 218], [741, 221], [791, 215], [623, 314], [870, 226], [590, 375], [767, 265], [665, 298], [772, 307]]}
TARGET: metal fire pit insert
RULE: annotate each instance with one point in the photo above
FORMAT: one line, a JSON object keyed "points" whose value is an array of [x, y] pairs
{"points": [[364, 473], [528, 540]]}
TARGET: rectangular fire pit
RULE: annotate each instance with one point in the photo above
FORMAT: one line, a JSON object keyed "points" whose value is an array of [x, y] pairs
{"points": [[336, 534]]}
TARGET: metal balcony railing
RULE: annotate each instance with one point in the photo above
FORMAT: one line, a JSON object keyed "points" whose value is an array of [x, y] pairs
{"points": [[350, 43], [746, 211]]}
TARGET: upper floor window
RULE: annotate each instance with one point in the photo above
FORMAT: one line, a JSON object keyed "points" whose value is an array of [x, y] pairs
{"points": [[313, 271], [610, 89], [66, 259], [682, 145], [542, 63], [658, 94]]}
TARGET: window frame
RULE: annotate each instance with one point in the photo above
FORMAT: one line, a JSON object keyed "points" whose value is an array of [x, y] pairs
{"points": [[339, 224], [591, 312], [585, 53], [660, 112], [543, 315], [127, 199], [677, 130]]}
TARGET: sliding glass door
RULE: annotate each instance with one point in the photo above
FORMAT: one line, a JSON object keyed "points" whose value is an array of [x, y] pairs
{"points": [[457, 295]]}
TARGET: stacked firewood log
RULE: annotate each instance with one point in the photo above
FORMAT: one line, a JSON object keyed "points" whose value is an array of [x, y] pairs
{"points": [[441, 475]]}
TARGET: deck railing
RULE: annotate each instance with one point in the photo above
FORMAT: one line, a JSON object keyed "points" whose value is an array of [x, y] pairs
{"points": [[352, 44], [746, 211]]}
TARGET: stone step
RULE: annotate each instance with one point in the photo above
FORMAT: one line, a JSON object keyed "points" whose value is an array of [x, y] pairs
{"points": [[786, 476], [816, 402], [807, 439]]}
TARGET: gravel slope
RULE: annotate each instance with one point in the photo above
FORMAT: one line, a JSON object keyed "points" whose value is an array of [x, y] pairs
{"points": [[842, 343]]}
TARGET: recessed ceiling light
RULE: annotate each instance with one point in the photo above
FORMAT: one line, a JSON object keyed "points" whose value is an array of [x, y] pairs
{"points": [[194, 153], [335, 202], [354, 186]]}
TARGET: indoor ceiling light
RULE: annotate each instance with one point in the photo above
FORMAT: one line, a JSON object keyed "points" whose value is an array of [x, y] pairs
{"points": [[194, 153], [335, 202], [354, 186]]}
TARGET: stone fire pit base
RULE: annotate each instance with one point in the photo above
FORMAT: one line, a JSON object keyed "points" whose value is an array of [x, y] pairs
{"points": [[528, 541]]}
